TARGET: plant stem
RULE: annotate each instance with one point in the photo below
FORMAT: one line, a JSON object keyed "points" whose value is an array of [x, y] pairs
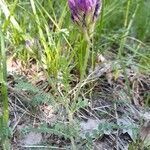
{"points": [[71, 122], [4, 93], [83, 72], [86, 57], [70, 115], [84, 67], [123, 40]]}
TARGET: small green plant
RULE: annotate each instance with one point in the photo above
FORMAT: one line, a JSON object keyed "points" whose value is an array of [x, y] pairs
{"points": [[38, 97]]}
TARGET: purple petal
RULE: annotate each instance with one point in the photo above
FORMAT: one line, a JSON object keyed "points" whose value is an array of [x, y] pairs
{"points": [[80, 9], [97, 8]]}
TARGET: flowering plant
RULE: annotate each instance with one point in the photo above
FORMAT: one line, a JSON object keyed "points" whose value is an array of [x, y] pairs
{"points": [[85, 13]]}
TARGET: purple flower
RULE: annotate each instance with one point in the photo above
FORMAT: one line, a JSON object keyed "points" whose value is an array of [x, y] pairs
{"points": [[84, 12]]}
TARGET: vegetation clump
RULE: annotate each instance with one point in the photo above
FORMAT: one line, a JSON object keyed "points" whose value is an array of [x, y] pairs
{"points": [[75, 74]]}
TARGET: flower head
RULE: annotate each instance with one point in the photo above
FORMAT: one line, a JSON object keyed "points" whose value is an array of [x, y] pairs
{"points": [[84, 12]]}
